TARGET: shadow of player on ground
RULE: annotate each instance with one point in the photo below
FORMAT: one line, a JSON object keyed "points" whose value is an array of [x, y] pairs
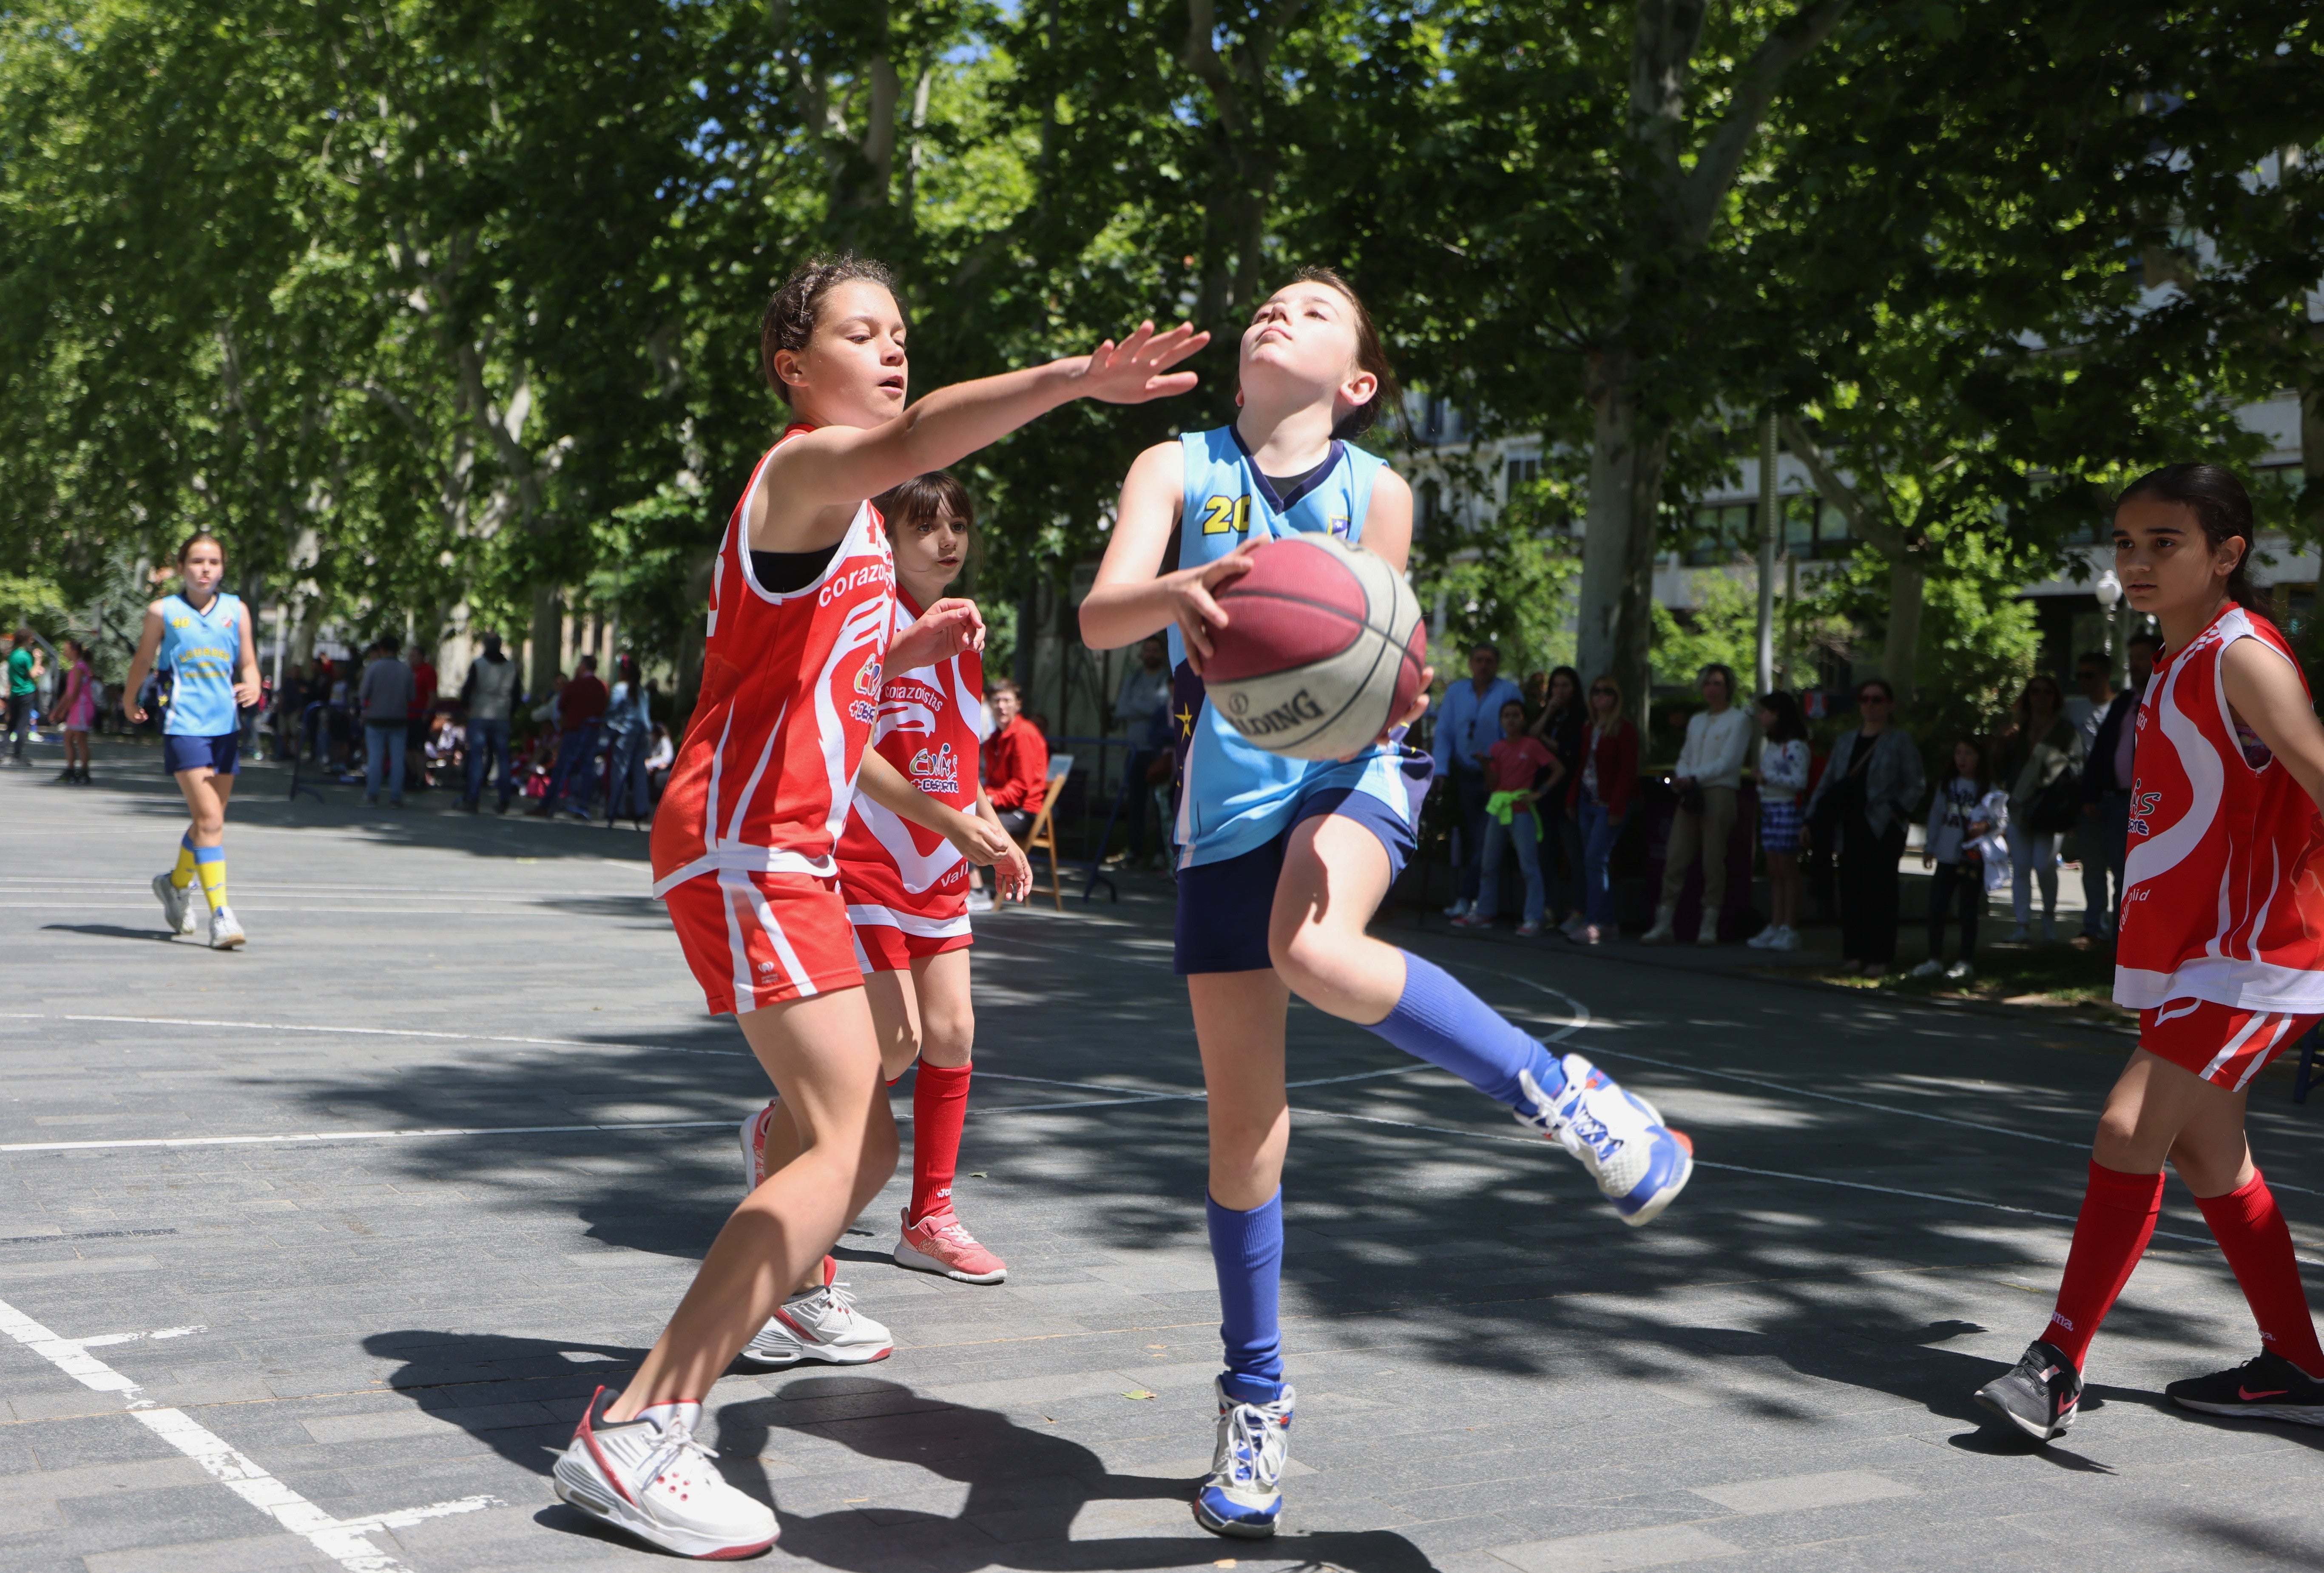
{"points": [[1027, 1490]]}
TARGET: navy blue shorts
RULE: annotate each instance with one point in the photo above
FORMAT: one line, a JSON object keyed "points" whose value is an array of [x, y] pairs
{"points": [[221, 754], [1224, 907]]}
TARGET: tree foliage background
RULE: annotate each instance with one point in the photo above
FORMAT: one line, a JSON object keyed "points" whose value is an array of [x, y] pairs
{"points": [[444, 312]]}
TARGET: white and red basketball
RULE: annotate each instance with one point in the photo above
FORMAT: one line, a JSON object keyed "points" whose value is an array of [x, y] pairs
{"points": [[1324, 648]]}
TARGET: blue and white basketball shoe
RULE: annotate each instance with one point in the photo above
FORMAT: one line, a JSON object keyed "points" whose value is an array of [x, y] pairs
{"points": [[1639, 1162], [1243, 1496]]}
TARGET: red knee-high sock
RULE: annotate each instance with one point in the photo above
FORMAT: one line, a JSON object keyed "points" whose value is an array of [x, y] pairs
{"points": [[2117, 1220], [939, 1104], [2251, 1230]]}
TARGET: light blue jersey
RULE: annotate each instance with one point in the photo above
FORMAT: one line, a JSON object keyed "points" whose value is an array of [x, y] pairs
{"points": [[201, 651], [1231, 796]]}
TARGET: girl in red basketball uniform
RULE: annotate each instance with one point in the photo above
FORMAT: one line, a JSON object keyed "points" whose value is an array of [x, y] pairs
{"points": [[801, 623], [2221, 952], [907, 892]]}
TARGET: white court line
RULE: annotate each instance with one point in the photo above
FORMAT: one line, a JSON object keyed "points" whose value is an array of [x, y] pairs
{"points": [[344, 1541], [295, 1138]]}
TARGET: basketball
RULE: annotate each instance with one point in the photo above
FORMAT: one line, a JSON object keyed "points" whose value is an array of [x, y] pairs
{"points": [[1324, 648]]}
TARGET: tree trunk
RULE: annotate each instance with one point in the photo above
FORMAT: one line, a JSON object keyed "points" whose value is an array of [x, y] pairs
{"points": [[1616, 609], [1907, 581], [548, 639]]}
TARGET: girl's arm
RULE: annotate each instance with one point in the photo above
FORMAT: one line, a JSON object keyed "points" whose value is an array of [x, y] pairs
{"points": [[1132, 599], [979, 842], [815, 481], [948, 628], [149, 645], [1014, 874], [2266, 694], [247, 689]]}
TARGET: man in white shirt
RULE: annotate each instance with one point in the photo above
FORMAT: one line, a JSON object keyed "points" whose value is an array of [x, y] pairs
{"points": [[1711, 765]]}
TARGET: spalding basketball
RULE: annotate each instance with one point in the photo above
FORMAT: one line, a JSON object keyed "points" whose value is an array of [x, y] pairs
{"points": [[1324, 648]]}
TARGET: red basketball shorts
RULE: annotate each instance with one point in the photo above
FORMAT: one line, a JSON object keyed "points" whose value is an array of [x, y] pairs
{"points": [[2222, 1044], [755, 939], [888, 940]]}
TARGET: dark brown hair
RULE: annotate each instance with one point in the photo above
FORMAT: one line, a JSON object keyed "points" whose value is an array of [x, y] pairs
{"points": [[1369, 356], [195, 539], [794, 309], [1781, 705], [924, 497], [2219, 504]]}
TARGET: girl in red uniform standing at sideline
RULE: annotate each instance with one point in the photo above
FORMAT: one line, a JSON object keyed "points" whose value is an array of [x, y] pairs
{"points": [[801, 619], [2221, 951], [907, 894]]}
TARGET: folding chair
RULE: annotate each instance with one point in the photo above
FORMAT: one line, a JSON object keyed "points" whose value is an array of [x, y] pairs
{"points": [[1043, 834]]}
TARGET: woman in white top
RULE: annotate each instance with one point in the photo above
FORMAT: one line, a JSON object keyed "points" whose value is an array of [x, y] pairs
{"points": [[1784, 764], [1709, 770]]}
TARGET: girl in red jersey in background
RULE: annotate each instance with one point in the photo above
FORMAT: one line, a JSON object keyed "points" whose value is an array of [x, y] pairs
{"points": [[2221, 951], [906, 893], [801, 623]]}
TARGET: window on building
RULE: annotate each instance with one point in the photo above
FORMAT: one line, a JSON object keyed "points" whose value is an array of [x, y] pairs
{"points": [[1522, 472], [1720, 534], [1814, 528]]}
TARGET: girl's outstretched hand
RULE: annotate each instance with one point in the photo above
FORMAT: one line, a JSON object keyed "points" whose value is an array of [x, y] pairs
{"points": [[1192, 606], [1133, 371], [949, 628]]}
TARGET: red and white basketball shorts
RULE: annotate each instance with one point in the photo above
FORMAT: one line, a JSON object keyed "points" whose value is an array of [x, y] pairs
{"points": [[888, 940], [2222, 1044], [755, 939]]}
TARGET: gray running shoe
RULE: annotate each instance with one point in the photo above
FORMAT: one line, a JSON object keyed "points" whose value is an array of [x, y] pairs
{"points": [[2039, 1394], [175, 910]]}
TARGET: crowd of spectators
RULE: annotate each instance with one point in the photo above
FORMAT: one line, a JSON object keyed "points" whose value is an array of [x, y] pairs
{"points": [[1548, 775]]}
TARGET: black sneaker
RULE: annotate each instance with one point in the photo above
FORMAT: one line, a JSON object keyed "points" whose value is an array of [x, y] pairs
{"points": [[2039, 1394], [2267, 1388]]}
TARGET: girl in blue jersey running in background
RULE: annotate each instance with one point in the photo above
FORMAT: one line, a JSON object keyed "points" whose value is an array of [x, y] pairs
{"points": [[1283, 861], [203, 636]]}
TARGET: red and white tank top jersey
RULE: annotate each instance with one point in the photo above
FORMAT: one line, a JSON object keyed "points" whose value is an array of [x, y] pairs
{"points": [[928, 731], [2223, 893], [790, 692]]}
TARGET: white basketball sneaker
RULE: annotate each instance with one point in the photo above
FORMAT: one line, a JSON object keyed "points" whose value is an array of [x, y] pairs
{"points": [[1243, 1496], [225, 929], [652, 1478], [177, 910], [754, 1145], [822, 1324], [1639, 1162]]}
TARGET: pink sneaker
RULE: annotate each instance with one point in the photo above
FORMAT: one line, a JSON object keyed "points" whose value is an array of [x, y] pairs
{"points": [[938, 1244]]}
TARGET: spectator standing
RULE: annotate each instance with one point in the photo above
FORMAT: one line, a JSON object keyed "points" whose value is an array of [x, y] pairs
{"points": [[1519, 772], [21, 686], [1709, 774], [2093, 676], [1142, 706], [386, 698], [580, 707], [1965, 811], [77, 710], [489, 695], [1603, 790], [423, 701], [1784, 763], [1468, 725], [2042, 764], [1016, 762], [630, 721], [1560, 725], [2107, 777], [1862, 804]]}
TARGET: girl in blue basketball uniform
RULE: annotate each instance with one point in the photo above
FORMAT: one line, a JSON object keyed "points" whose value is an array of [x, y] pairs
{"points": [[202, 635], [1283, 861]]}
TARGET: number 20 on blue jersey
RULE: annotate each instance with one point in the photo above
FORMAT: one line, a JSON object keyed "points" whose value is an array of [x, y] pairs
{"points": [[1222, 515]]}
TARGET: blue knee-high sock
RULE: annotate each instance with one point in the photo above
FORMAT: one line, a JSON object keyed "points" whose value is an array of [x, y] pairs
{"points": [[1248, 1250], [1437, 1020]]}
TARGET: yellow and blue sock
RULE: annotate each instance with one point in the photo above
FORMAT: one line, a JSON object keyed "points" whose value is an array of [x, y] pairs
{"points": [[1437, 1020], [183, 875], [1247, 1249], [209, 861]]}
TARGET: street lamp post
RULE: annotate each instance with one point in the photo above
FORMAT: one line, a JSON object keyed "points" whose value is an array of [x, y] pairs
{"points": [[2109, 590]]}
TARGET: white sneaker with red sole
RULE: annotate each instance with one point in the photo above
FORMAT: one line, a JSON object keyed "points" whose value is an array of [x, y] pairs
{"points": [[939, 1244], [650, 1477], [822, 1324]]}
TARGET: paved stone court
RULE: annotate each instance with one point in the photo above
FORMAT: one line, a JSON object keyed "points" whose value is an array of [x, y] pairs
{"points": [[310, 1254]]}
